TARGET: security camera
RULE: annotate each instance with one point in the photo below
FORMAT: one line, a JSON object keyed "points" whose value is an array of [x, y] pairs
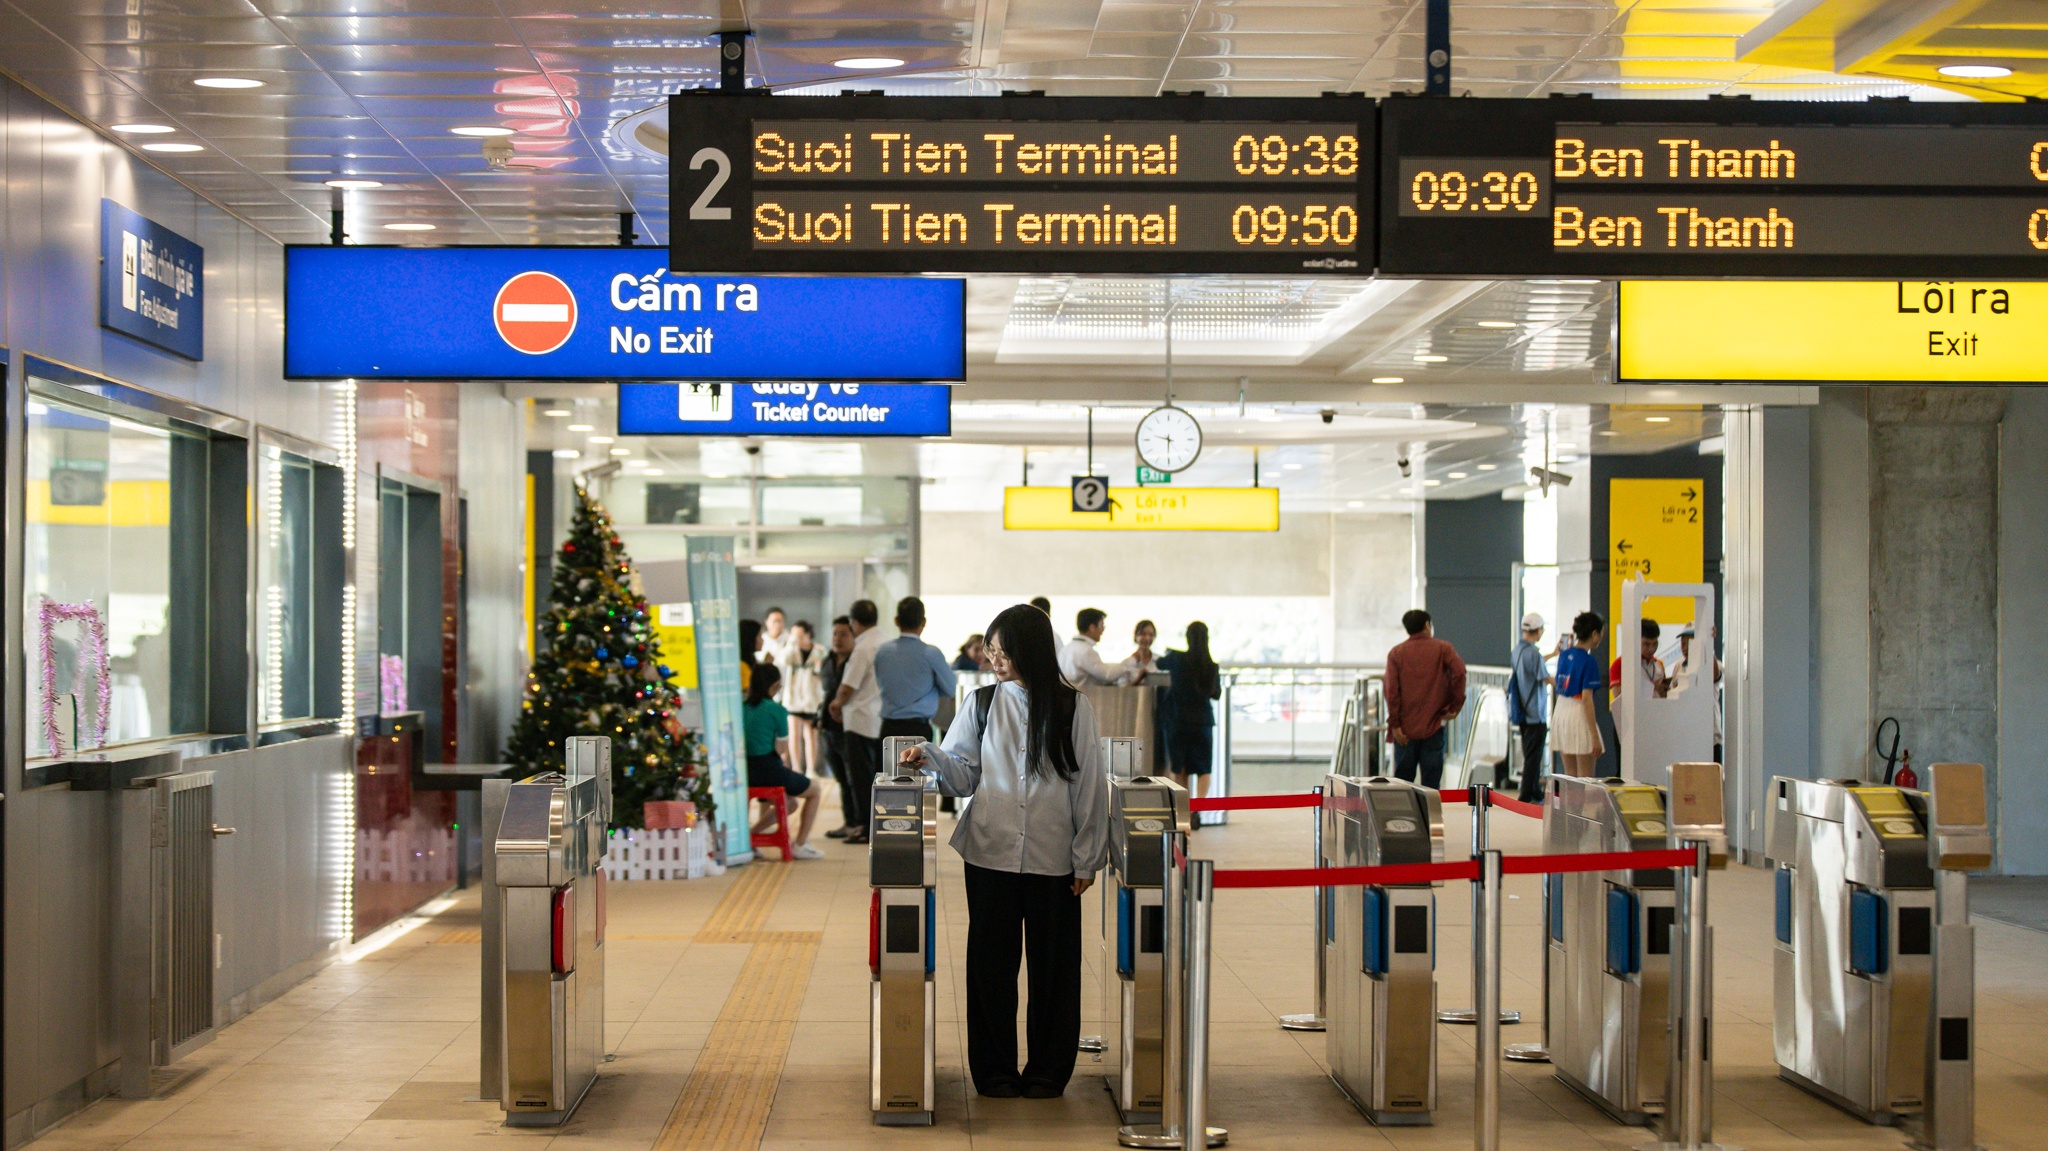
{"points": [[753, 449], [1402, 463], [497, 152], [1329, 415], [1546, 477]]}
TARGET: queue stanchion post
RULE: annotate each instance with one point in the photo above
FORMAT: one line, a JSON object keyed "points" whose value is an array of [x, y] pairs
{"points": [[1689, 1122], [1317, 1021], [1480, 797], [1486, 964], [1200, 896], [1537, 1052]]}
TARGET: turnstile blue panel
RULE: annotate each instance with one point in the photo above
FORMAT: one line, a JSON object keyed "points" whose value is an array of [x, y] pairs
{"points": [[1624, 949], [1553, 888], [1126, 924], [1375, 931], [1784, 888], [1869, 933], [931, 929]]}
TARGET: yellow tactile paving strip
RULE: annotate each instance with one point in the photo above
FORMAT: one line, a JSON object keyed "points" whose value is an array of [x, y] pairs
{"points": [[463, 935], [725, 1103]]}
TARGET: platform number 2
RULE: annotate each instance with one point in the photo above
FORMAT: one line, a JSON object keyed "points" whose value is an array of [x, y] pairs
{"points": [[701, 208]]}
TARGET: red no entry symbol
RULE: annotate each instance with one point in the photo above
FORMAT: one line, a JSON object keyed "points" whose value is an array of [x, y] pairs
{"points": [[535, 313]]}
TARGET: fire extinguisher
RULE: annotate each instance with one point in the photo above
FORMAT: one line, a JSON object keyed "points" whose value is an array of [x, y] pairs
{"points": [[1898, 770]]}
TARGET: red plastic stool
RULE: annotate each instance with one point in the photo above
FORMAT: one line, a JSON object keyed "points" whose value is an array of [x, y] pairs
{"points": [[780, 836]]}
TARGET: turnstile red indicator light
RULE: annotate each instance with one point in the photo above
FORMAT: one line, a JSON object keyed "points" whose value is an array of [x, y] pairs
{"points": [[598, 879], [562, 945], [875, 931]]}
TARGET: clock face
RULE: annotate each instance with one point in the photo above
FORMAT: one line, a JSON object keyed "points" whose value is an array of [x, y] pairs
{"points": [[1169, 439]]}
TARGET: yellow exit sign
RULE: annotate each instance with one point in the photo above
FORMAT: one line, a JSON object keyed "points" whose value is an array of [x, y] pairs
{"points": [[1657, 533], [1886, 331], [1146, 509]]}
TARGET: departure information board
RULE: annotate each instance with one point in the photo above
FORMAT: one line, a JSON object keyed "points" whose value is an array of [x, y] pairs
{"points": [[1022, 184], [1646, 189]]}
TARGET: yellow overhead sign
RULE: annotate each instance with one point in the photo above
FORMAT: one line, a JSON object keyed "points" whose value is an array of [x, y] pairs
{"points": [[1902, 331], [1656, 532], [1146, 509]]}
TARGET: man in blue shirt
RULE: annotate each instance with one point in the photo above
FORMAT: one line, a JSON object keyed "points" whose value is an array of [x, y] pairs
{"points": [[1528, 704], [913, 675]]}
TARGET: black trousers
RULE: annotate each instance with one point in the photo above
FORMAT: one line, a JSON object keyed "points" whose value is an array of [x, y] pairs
{"points": [[863, 758], [921, 728], [1010, 916], [1533, 735], [834, 743]]}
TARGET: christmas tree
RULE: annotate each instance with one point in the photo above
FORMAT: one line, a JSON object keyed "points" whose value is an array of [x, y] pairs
{"points": [[602, 674]]}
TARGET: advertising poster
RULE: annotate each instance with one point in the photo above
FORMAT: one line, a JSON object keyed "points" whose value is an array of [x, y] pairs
{"points": [[714, 604]]}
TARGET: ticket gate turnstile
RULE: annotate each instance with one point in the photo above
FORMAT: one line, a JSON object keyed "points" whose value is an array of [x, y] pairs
{"points": [[1143, 811], [1610, 936], [548, 895], [1381, 953], [1872, 969], [903, 869]]}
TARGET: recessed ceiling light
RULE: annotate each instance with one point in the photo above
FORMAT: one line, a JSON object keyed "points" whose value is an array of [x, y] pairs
{"points": [[1610, 433], [568, 454], [480, 130], [141, 129], [622, 451], [1457, 475], [652, 472], [1975, 71], [1290, 467], [170, 147], [352, 184], [780, 569], [581, 428], [558, 413], [600, 439], [409, 227], [227, 82], [1432, 359], [1432, 483], [1269, 418], [1656, 419], [1498, 324], [868, 63], [1355, 504], [1386, 379], [1488, 467]]}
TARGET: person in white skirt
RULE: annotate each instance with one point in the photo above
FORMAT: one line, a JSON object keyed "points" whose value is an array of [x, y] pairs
{"points": [[1574, 727]]}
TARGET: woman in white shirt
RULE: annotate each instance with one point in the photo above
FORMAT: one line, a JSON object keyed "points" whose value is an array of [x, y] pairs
{"points": [[803, 693], [1034, 838]]}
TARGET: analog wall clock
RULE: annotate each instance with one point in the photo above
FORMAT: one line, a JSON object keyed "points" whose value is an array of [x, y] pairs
{"points": [[1169, 439]]}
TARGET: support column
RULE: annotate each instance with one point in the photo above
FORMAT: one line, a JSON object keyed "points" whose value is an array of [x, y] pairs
{"points": [[2022, 635]]}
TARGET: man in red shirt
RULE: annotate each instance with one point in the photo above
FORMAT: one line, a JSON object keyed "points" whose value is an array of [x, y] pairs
{"points": [[1424, 688]]}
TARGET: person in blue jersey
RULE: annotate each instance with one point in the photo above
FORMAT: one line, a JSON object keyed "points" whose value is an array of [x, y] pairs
{"points": [[1574, 726]]}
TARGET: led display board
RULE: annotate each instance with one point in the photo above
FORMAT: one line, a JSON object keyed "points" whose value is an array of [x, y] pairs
{"points": [[1696, 188], [1726, 331], [1146, 509], [541, 313], [785, 409], [867, 183]]}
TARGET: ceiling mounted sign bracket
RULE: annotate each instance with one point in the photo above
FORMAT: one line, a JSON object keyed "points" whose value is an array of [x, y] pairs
{"points": [[1436, 48], [732, 62]]}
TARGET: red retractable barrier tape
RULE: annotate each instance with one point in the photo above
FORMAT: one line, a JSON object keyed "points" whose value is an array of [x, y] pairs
{"points": [[1254, 802], [1400, 873], [1532, 810]]}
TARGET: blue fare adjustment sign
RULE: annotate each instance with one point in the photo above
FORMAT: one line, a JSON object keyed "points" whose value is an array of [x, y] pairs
{"points": [[796, 409], [152, 282]]}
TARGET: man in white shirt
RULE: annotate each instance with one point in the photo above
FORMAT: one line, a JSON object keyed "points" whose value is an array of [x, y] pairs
{"points": [[1080, 663], [858, 706]]}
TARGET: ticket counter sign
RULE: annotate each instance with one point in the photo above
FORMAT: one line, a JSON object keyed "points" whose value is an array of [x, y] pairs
{"points": [[785, 409], [1656, 532], [1145, 509], [1897, 331]]}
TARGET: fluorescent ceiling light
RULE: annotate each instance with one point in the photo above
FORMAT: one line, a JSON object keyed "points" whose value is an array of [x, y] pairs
{"points": [[1458, 475], [141, 129], [568, 454], [1290, 467], [622, 451], [1488, 467], [863, 64], [558, 413], [1355, 504], [600, 439], [1975, 71], [1498, 324], [581, 428], [1432, 359], [168, 147], [412, 227], [352, 184], [1386, 379], [1656, 419], [227, 82], [653, 472], [480, 130], [780, 569], [1432, 483]]}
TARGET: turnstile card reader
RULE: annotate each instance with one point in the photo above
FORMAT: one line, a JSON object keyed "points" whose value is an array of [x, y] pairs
{"points": [[1143, 811], [1873, 969], [903, 869], [550, 887], [1610, 934], [1381, 948]]}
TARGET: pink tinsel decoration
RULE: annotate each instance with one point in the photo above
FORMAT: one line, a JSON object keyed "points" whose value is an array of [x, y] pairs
{"points": [[391, 683], [93, 655]]}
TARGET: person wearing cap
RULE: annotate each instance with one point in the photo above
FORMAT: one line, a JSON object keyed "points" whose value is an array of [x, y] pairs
{"points": [[1527, 704], [1686, 635]]}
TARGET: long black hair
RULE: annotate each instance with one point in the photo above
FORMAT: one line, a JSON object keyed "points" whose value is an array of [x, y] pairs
{"points": [[761, 681], [1200, 662], [1024, 634]]}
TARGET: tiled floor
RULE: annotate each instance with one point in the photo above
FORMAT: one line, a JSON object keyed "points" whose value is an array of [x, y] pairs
{"points": [[381, 1051]]}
